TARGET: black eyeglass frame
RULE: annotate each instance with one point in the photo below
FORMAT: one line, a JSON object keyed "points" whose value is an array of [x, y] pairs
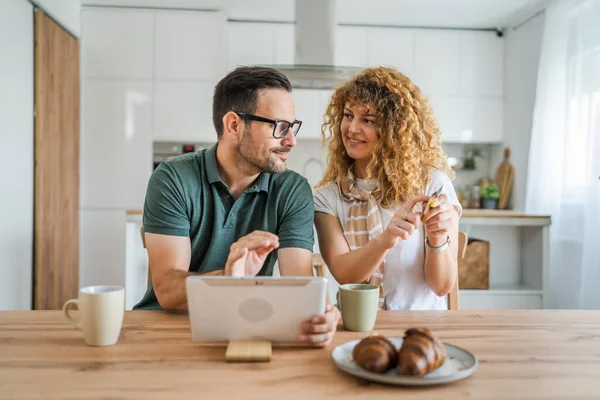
{"points": [[274, 122]]}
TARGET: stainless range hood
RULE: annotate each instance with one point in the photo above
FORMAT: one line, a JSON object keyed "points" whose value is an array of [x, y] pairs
{"points": [[315, 47]]}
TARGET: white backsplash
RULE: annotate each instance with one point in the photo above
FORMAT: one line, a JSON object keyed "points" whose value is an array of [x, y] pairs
{"points": [[309, 159]]}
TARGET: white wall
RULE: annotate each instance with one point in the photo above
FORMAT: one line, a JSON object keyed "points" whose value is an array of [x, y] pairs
{"points": [[521, 67], [66, 12], [16, 163]]}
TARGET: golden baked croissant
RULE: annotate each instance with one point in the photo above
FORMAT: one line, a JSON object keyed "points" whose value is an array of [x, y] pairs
{"points": [[375, 354], [421, 353]]}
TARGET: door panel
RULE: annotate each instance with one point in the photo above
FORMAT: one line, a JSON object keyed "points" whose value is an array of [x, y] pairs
{"points": [[56, 237]]}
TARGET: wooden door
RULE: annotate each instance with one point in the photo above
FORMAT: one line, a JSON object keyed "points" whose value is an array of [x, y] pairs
{"points": [[56, 236]]}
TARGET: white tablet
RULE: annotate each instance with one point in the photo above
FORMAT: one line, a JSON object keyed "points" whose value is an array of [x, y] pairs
{"points": [[262, 308]]}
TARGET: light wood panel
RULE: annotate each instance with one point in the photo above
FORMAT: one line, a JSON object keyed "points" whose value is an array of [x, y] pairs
{"points": [[533, 354], [483, 213], [56, 242], [453, 301]]}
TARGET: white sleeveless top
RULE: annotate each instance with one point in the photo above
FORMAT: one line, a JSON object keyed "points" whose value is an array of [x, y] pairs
{"points": [[404, 282]]}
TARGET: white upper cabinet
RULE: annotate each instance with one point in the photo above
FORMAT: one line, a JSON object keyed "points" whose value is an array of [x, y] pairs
{"points": [[481, 58], [116, 143], [117, 43], [324, 99], [249, 43], [183, 111], [190, 45], [436, 65], [306, 102], [190, 59], [455, 117], [351, 46], [260, 43], [488, 119], [285, 43], [469, 119], [310, 109], [391, 47]]}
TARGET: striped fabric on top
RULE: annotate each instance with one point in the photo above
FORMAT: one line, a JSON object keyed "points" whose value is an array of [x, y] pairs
{"points": [[362, 224]]}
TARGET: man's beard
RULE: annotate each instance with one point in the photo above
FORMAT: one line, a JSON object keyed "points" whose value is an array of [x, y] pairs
{"points": [[251, 162]]}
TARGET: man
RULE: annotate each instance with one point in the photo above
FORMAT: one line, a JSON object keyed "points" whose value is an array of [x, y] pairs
{"points": [[224, 210]]}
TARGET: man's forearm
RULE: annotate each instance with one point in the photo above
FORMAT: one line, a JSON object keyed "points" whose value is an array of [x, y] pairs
{"points": [[171, 293]]}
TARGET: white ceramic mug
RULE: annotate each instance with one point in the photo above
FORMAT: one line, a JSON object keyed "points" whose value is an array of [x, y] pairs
{"points": [[101, 310]]}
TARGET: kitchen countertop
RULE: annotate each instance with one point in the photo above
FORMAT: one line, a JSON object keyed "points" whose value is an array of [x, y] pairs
{"points": [[470, 216], [467, 213]]}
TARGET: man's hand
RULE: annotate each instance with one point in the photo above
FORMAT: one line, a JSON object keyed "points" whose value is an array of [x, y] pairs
{"points": [[320, 329], [248, 254]]}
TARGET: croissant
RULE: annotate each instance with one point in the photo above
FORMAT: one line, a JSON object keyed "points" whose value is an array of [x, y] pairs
{"points": [[421, 353], [375, 354]]}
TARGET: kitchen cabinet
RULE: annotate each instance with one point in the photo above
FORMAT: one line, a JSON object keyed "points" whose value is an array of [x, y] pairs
{"points": [[102, 250], [454, 116], [391, 47], [311, 105], [461, 72], [136, 260], [518, 259], [306, 102], [183, 111], [481, 64], [117, 43], [436, 64], [190, 59], [488, 119], [469, 119], [190, 45], [260, 43], [351, 46], [463, 63], [116, 143], [285, 43]]}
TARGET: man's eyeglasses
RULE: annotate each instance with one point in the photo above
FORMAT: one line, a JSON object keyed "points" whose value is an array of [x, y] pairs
{"points": [[280, 126]]}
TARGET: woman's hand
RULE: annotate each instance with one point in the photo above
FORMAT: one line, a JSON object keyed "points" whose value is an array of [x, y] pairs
{"points": [[403, 223], [438, 220]]}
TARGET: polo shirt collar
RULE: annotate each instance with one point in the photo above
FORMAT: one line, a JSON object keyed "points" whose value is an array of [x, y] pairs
{"points": [[212, 172]]}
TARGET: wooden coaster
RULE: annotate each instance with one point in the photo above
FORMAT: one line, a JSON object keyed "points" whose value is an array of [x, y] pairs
{"points": [[249, 351]]}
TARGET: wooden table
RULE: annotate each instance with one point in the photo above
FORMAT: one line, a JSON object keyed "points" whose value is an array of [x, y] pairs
{"points": [[522, 354]]}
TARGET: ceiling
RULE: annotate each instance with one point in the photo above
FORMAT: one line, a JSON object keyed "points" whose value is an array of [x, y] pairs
{"points": [[472, 14]]}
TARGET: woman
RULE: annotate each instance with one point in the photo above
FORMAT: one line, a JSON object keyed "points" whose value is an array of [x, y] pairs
{"points": [[385, 162]]}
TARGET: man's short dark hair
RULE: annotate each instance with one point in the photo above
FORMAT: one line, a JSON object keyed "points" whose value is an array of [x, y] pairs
{"points": [[238, 91]]}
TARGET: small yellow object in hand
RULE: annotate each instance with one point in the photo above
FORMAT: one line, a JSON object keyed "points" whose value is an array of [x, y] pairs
{"points": [[431, 203]]}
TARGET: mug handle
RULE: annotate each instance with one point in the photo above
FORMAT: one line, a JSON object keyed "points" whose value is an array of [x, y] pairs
{"points": [[67, 307], [339, 304]]}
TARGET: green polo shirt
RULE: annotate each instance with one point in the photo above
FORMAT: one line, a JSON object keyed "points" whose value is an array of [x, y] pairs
{"points": [[186, 197]]}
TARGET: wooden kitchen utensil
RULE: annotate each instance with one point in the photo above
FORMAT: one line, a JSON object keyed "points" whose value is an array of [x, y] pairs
{"points": [[505, 176]]}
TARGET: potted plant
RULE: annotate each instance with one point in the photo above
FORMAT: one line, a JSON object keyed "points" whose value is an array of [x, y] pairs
{"points": [[469, 160], [490, 195]]}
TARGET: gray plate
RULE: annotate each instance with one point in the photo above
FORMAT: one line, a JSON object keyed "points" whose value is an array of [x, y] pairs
{"points": [[459, 364]]}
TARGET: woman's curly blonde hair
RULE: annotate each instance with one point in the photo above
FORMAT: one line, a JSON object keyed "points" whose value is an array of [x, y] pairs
{"points": [[409, 144]]}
